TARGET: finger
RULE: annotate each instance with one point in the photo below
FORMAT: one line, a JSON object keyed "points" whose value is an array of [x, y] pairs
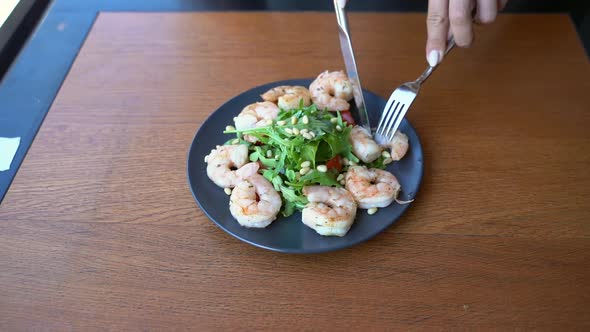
{"points": [[502, 4], [461, 21], [486, 11], [437, 24]]}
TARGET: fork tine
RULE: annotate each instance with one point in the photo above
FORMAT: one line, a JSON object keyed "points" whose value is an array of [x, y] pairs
{"points": [[387, 116], [394, 117], [390, 117], [385, 113], [398, 121], [384, 118]]}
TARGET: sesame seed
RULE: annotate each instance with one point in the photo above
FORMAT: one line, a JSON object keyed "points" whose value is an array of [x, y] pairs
{"points": [[306, 163], [351, 163], [345, 161], [342, 182], [236, 141], [304, 170], [334, 120], [385, 154], [306, 136], [312, 134], [281, 123], [338, 128], [230, 128], [268, 154], [268, 122], [340, 177], [293, 120], [304, 130], [227, 191], [289, 131], [372, 211], [295, 131], [322, 168], [387, 161], [305, 119]]}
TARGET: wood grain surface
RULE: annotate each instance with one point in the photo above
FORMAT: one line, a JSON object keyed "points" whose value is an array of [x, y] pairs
{"points": [[100, 232]]}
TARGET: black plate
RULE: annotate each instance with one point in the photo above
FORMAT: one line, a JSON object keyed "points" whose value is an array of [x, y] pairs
{"points": [[290, 235]]}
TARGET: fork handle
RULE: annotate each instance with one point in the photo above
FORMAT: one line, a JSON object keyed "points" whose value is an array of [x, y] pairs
{"points": [[430, 69]]}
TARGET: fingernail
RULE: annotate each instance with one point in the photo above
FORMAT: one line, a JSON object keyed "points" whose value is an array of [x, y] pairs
{"points": [[434, 57]]}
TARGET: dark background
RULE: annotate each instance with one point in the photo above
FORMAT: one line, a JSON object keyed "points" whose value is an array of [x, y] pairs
{"points": [[26, 16]]}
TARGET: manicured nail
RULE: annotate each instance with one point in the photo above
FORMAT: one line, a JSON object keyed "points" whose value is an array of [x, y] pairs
{"points": [[434, 57]]}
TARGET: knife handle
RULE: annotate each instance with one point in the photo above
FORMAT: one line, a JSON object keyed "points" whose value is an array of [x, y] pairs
{"points": [[340, 3], [341, 15]]}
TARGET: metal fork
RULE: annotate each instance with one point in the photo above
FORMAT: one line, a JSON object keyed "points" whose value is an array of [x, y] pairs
{"points": [[399, 102]]}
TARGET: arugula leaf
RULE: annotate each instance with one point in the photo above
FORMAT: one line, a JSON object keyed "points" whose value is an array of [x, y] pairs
{"points": [[288, 208], [316, 177], [291, 175], [254, 156], [261, 155], [378, 163], [308, 152], [294, 197], [268, 174]]}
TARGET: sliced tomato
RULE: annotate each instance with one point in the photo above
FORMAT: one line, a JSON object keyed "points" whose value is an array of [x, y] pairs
{"points": [[347, 116], [335, 163]]}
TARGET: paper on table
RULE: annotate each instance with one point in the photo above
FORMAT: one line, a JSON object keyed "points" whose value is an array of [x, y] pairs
{"points": [[8, 147]]}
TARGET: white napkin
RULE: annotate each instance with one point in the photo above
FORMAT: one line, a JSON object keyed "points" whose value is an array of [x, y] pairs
{"points": [[8, 147]]}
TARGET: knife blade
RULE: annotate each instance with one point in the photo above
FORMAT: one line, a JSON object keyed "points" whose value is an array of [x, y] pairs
{"points": [[350, 63]]}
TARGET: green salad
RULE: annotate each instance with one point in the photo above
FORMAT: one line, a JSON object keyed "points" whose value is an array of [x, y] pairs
{"points": [[301, 147]]}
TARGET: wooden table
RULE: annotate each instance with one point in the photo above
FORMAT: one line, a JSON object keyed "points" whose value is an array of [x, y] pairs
{"points": [[100, 231]]}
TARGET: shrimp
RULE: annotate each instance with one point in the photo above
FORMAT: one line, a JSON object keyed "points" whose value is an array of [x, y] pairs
{"points": [[399, 145], [223, 161], [330, 210], [372, 188], [256, 115], [254, 202], [331, 90], [363, 146], [288, 97]]}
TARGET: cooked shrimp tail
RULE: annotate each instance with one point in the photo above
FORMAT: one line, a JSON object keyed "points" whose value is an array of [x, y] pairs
{"points": [[254, 202], [223, 162], [332, 91], [288, 97], [363, 145], [399, 145], [372, 188], [330, 211], [256, 115]]}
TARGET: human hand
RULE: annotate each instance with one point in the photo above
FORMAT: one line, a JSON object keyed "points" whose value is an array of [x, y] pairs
{"points": [[454, 17]]}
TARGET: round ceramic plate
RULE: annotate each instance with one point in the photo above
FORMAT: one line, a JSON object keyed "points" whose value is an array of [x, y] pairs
{"points": [[289, 234]]}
